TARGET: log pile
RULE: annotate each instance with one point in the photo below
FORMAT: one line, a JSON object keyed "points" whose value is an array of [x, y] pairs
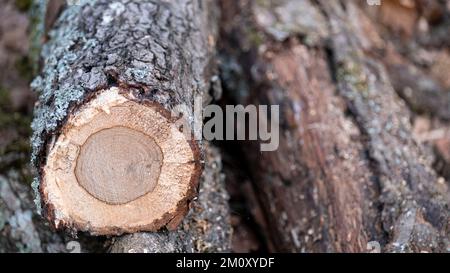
{"points": [[117, 139]]}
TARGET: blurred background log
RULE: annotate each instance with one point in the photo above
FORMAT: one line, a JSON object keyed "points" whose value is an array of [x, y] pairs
{"points": [[348, 170]]}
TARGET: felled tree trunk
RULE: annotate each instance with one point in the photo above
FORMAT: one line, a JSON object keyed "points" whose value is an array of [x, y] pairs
{"points": [[116, 132], [347, 171]]}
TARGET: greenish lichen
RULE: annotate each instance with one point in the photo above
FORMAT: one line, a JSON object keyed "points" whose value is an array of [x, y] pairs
{"points": [[264, 3], [4, 98], [353, 74], [37, 30], [23, 5], [25, 68], [10, 118], [255, 37], [289, 18], [16, 147]]}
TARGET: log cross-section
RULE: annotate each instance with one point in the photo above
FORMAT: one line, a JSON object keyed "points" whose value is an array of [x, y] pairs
{"points": [[117, 163], [111, 155]]}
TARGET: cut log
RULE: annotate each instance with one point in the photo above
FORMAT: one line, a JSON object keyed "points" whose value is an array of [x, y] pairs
{"points": [[347, 171], [113, 150]]}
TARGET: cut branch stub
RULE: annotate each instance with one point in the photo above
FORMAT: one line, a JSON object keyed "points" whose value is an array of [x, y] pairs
{"points": [[119, 166]]}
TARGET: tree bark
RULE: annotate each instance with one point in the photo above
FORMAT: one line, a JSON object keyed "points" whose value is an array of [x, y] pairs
{"points": [[414, 50], [21, 231], [113, 74], [348, 171]]}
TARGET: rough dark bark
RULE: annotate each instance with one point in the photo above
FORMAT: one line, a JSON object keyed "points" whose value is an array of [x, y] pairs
{"points": [[348, 170], [415, 208], [157, 53], [422, 93], [418, 65]]}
